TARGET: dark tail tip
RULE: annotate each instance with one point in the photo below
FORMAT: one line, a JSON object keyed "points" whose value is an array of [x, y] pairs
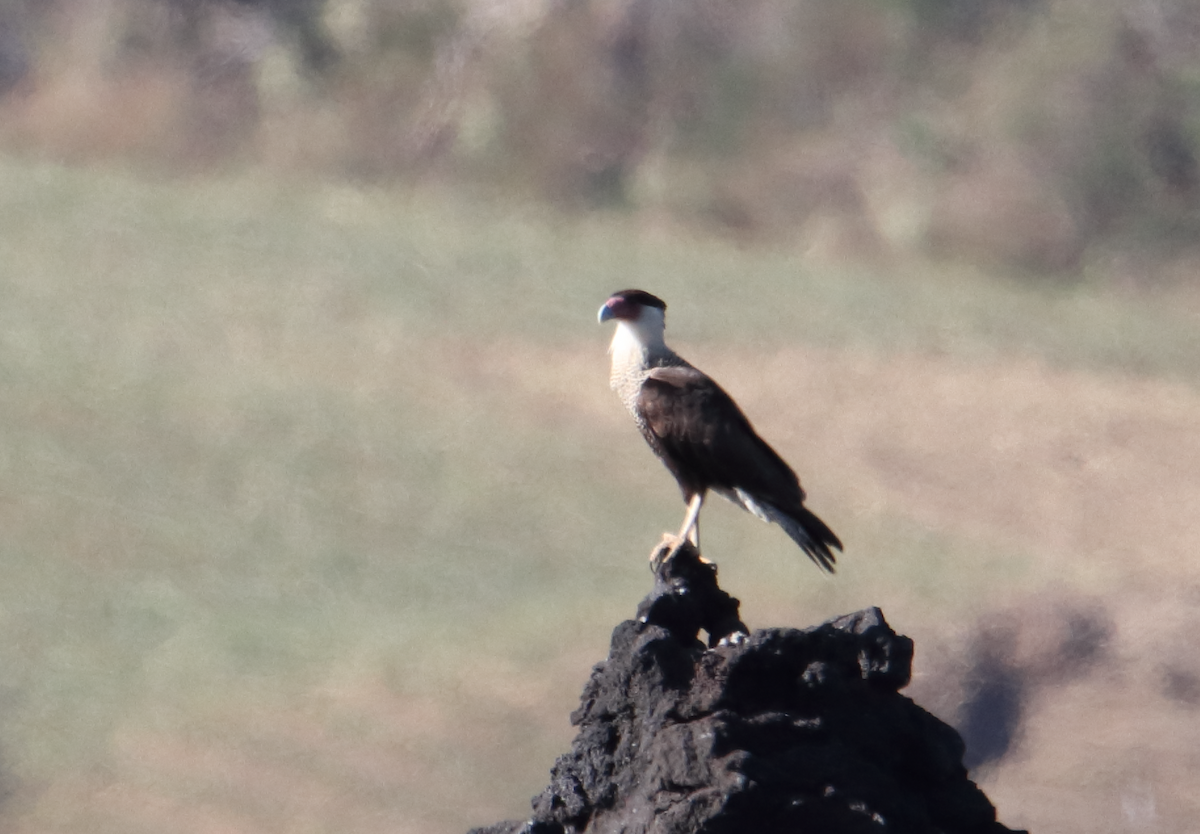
{"points": [[815, 538]]}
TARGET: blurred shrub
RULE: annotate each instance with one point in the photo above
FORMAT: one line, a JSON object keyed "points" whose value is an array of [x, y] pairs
{"points": [[294, 83], [1033, 133]]}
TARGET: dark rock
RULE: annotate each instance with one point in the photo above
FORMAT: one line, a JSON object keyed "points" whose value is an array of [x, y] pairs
{"points": [[686, 597], [783, 730]]}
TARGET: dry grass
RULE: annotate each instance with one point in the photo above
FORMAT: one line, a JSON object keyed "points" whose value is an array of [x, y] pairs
{"points": [[318, 508]]}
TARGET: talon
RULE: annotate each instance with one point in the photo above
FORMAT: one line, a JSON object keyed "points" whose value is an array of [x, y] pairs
{"points": [[665, 551]]}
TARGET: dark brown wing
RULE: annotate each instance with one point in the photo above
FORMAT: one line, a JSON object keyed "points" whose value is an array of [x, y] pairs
{"points": [[705, 440]]}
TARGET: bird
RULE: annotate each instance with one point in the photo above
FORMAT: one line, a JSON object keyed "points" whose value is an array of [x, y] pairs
{"points": [[699, 432]]}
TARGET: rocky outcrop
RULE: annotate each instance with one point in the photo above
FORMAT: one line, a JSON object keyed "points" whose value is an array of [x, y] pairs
{"points": [[780, 730]]}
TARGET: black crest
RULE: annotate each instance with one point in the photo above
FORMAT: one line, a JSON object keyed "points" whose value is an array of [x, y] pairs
{"points": [[641, 297]]}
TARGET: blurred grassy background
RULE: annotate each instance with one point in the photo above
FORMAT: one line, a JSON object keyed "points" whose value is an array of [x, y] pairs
{"points": [[317, 506]]}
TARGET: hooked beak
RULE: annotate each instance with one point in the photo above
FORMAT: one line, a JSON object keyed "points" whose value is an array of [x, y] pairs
{"points": [[606, 313]]}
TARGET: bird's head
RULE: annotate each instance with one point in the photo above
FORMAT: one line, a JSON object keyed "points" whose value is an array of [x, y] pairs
{"points": [[629, 305], [640, 317]]}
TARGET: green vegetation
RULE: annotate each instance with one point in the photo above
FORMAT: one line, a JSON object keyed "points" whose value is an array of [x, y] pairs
{"points": [[271, 446]]}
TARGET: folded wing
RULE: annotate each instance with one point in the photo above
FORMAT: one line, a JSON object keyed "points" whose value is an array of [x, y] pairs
{"points": [[706, 442]]}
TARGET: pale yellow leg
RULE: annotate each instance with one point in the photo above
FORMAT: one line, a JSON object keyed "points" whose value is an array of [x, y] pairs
{"points": [[689, 532], [691, 522]]}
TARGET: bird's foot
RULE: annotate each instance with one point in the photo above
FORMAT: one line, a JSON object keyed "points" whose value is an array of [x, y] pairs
{"points": [[666, 549]]}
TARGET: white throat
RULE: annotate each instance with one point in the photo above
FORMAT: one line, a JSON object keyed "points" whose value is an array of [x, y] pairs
{"points": [[635, 343]]}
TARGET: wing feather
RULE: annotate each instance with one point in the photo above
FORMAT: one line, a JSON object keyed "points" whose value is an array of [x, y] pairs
{"points": [[707, 442]]}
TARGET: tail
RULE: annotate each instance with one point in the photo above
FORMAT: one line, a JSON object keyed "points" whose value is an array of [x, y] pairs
{"points": [[813, 535]]}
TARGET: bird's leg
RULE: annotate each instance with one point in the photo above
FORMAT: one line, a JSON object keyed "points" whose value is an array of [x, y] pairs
{"points": [[689, 532], [691, 522]]}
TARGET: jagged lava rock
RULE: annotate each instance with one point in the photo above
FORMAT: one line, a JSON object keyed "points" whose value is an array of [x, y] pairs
{"points": [[784, 730]]}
